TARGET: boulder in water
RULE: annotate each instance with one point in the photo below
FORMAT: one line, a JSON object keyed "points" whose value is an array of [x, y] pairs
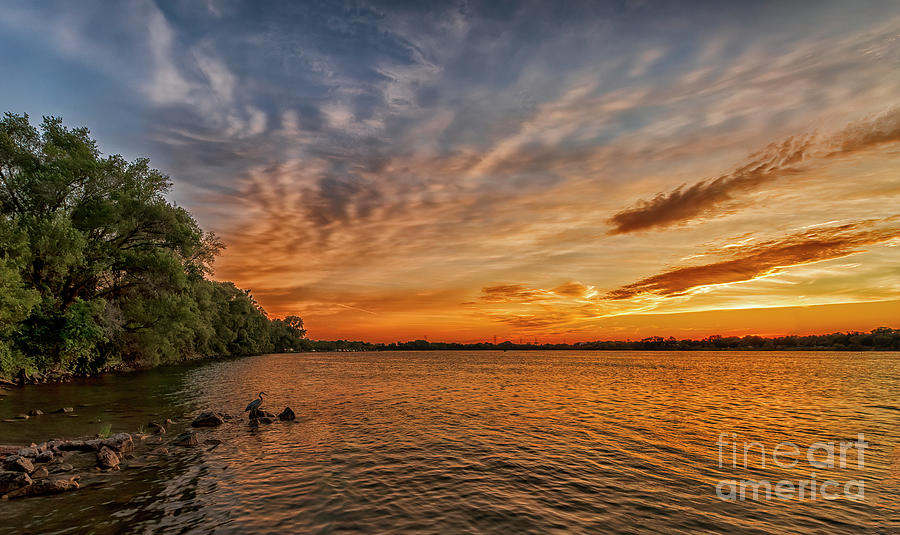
{"points": [[287, 415], [35, 412], [40, 473], [120, 442], [13, 480], [107, 458], [157, 428], [208, 419], [64, 409], [30, 452], [17, 463]]}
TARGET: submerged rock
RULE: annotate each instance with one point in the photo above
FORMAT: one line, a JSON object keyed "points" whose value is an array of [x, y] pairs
{"points": [[43, 488], [187, 439], [13, 480], [17, 463], [208, 419], [107, 458], [44, 457], [22, 417], [64, 409], [287, 414], [157, 428], [35, 412]]}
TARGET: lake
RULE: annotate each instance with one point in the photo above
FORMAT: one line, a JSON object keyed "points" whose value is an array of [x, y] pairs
{"points": [[486, 442]]}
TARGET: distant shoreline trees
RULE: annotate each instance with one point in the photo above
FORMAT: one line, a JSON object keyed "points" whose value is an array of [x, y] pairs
{"points": [[880, 339], [98, 269]]}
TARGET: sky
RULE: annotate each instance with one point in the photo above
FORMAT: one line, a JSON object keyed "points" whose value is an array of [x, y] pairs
{"points": [[455, 171]]}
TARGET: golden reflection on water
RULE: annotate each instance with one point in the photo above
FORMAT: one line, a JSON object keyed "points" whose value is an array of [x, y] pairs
{"points": [[516, 441]]}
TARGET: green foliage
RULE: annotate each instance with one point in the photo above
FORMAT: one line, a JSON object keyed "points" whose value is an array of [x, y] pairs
{"points": [[97, 268], [105, 431]]}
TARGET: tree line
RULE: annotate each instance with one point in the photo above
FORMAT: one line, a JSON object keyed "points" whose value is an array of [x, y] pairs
{"points": [[880, 339], [98, 269]]}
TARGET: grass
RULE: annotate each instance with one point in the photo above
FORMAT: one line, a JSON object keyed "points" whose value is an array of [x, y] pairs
{"points": [[105, 431]]}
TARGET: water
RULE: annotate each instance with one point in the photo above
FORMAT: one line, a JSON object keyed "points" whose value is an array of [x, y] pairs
{"points": [[479, 442]]}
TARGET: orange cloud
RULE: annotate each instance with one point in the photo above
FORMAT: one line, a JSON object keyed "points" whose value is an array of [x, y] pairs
{"points": [[778, 160], [764, 258]]}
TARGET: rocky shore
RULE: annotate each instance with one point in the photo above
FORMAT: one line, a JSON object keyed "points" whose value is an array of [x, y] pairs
{"points": [[58, 465]]}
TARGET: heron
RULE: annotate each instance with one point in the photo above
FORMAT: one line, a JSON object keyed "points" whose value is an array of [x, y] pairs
{"points": [[254, 405]]}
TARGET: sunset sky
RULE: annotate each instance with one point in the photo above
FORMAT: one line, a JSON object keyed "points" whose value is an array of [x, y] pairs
{"points": [[560, 170]]}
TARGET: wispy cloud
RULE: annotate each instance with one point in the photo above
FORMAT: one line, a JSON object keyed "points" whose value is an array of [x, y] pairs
{"points": [[789, 157], [756, 260]]}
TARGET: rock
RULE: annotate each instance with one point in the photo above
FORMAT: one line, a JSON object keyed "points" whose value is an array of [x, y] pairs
{"points": [[120, 442], [63, 409], [75, 445], [160, 451], [13, 481], [208, 419], [9, 450], [35, 412], [22, 417], [265, 420], [43, 488], [107, 458], [64, 467], [40, 473], [187, 439], [157, 428], [28, 452], [17, 463], [44, 457], [287, 414]]}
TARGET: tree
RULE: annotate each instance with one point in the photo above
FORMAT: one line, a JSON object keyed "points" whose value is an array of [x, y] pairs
{"points": [[99, 268]]}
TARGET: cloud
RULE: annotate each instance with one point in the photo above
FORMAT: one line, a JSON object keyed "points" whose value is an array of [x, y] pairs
{"points": [[866, 134], [753, 261], [511, 293], [789, 157], [519, 293]]}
